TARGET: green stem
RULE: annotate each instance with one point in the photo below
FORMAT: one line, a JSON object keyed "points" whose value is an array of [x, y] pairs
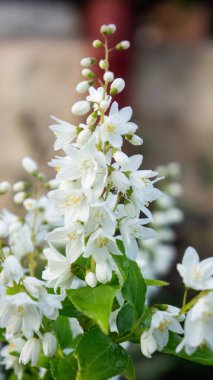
{"points": [[191, 303], [185, 296]]}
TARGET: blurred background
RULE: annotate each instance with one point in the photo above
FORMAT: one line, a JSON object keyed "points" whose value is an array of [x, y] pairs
{"points": [[169, 74]]}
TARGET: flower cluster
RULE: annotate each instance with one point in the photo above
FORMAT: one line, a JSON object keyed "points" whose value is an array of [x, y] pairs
{"points": [[76, 264]]}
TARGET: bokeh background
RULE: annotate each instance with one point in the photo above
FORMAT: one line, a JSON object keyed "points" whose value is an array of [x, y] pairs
{"points": [[169, 74]]}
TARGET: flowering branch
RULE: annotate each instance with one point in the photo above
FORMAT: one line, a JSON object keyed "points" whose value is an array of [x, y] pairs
{"points": [[78, 269]]}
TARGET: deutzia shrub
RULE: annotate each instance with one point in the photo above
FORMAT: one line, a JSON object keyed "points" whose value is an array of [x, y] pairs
{"points": [[78, 266]]}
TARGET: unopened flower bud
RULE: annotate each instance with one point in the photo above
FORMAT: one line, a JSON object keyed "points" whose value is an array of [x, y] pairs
{"points": [[30, 352], [49, 344], [83, 137], [174, 169], [4, 187], [30, 204], [91, 279], [97, 44], [103, 64], [20, 186], [12, 268], [20, 197], [92, 118], [136, 140], [108, 76], [104, 105], [89, 61], [82, 87], [117, 86], [103, 272], [52, 184], [80, 108], [175, 189], [108, 29], [121, 158], [29, 165], [123, 45], [87, 73]]}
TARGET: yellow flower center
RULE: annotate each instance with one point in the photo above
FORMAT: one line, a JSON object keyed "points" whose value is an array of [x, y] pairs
{"points": [[20, 310], [110, 128], [72, 235], [196, 272], [102, 242], [73, 200], [98, 215]]}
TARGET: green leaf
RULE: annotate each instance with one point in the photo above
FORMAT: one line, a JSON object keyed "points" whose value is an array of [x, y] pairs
{"points": [[95, 303], [151, 282], [43, 362], [48, 376], [125, 319], [100, 359], [134, 288], [64, 368], [69, 310], [63, 332], [202, 356], [2, 337]]}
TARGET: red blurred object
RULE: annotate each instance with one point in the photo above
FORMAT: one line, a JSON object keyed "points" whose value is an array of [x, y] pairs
{"points": [[120, 13]]}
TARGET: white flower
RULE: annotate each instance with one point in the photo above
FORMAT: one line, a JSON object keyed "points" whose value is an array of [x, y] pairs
{"points": [[4, 187], [101, 216], [74, 204], [97, 96], [6, 219], [30, 352], [12, 269], [156, 338], [48, 303], [11, 361], [100, 245], [91, 279], [19, 313], [117, 124], [198, 327], [117, 86], [72, 236], [148, 343], [196, 275], [21, 240], [65, 133], [30, 204], [49, 344], [162, 322], [80, 164], [103, 272], [29, 165], [58, 271], [131, 230], [80, 108]]}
